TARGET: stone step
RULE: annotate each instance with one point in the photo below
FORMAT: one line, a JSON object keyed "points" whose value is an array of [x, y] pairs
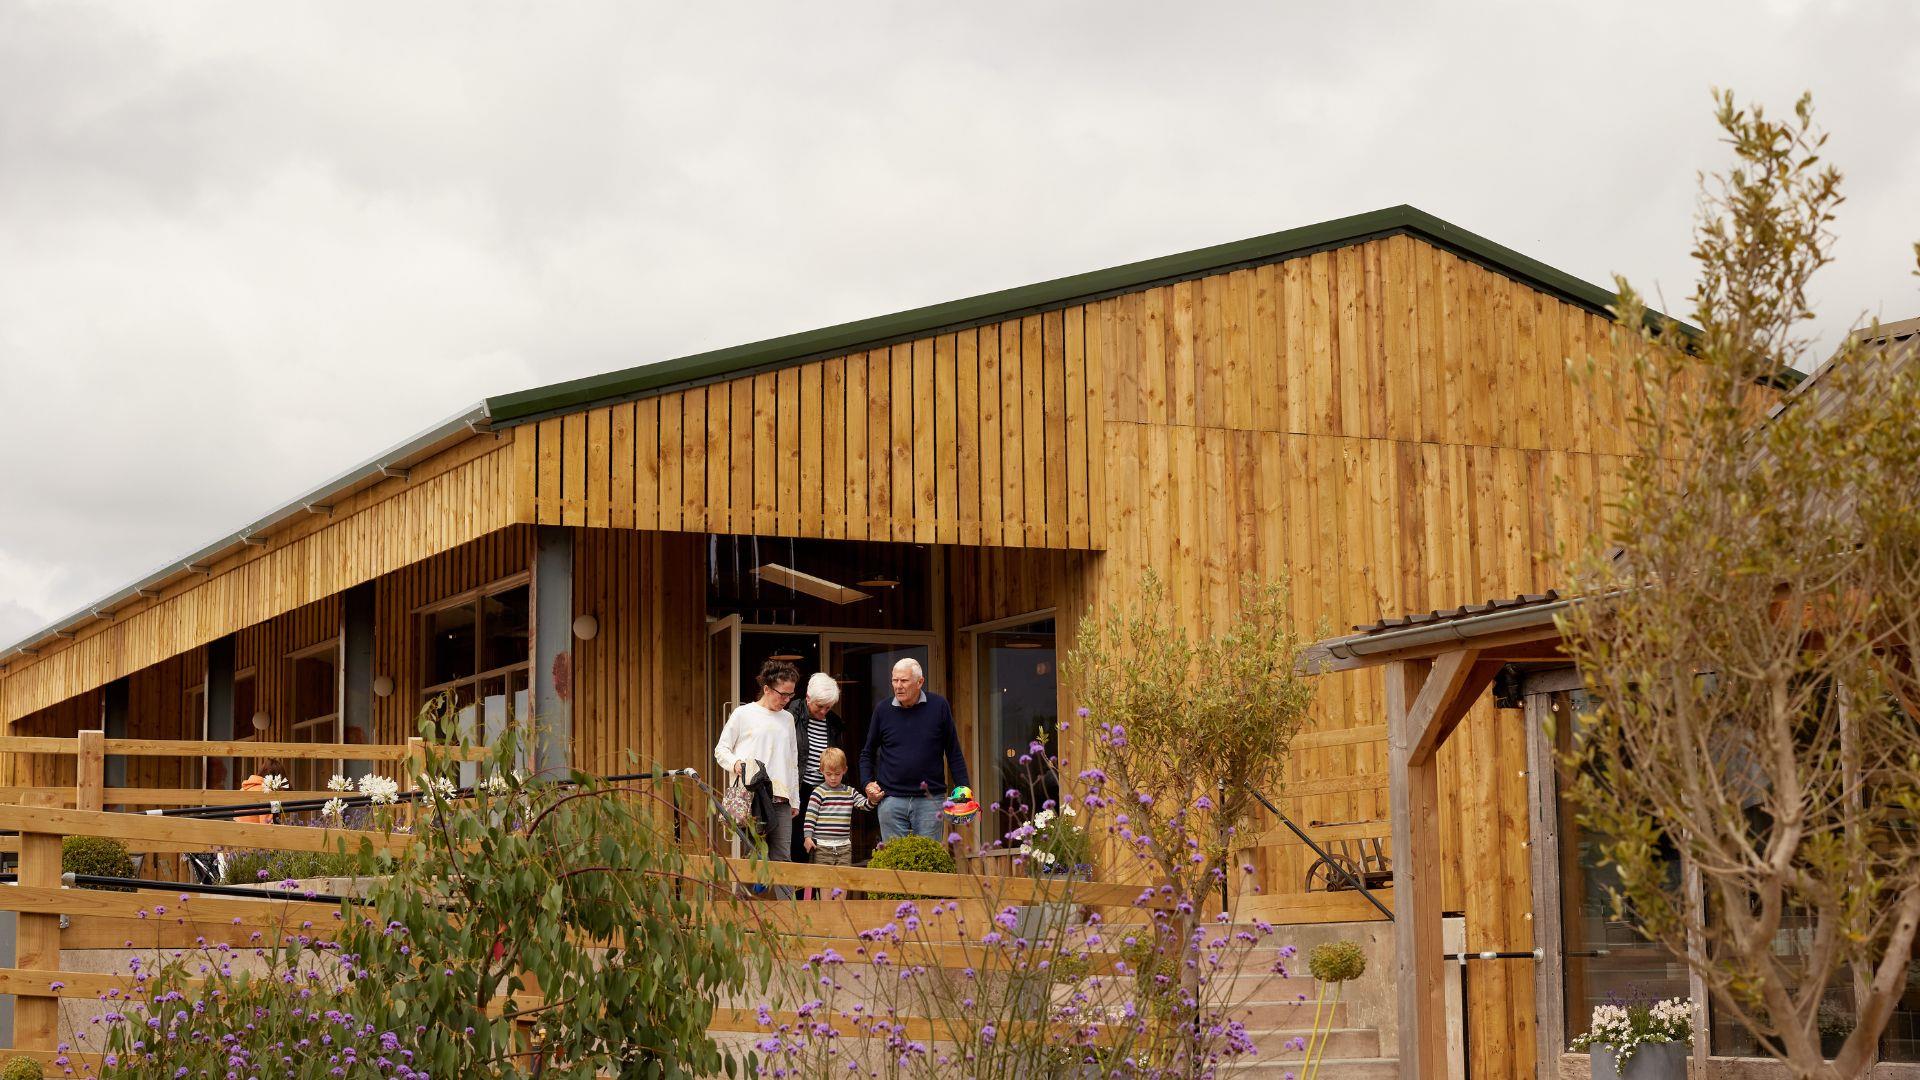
{"points": [[1341, 1042], [1289, 1014], [1373, 1068]]}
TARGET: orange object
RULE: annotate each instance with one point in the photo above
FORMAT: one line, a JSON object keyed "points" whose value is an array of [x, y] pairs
{"points": [[258, 783]]}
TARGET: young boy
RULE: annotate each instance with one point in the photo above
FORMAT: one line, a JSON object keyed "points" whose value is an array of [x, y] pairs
{"points": [[829, 827]]}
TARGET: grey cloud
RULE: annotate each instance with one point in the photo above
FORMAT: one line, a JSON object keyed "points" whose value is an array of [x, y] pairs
{"points": [[242, 245]]}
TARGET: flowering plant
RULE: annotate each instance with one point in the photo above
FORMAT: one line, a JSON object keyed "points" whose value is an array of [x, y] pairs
{"points": [[1626, 1028], [1052, 839], [277, 1000]]}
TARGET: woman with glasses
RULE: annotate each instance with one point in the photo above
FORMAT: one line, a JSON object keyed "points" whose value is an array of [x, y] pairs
{"points": [[758, 745]]}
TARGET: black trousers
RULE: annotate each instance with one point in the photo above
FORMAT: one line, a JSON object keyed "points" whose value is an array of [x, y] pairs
{"points": [[798, 851]]}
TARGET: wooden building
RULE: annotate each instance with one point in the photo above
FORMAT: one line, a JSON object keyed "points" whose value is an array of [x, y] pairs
{"points": [[1379, 407]]}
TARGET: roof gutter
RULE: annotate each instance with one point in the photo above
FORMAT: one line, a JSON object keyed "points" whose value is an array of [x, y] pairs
{"points": [[1361, 646], [394, 461]]}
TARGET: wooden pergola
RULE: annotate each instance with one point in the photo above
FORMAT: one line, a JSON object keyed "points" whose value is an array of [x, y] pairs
{"points": [[1437, 665]]}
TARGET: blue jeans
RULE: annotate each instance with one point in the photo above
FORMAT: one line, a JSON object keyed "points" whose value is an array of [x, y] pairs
{"points": [[916, 815]]}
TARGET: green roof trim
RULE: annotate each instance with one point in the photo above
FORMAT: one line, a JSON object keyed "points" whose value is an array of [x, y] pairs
{"points": [[633, 382]]}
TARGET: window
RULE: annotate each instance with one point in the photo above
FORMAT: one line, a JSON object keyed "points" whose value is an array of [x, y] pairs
{"points": [[1019, 704], [316, 711], [478, 653], [1607, 960]]}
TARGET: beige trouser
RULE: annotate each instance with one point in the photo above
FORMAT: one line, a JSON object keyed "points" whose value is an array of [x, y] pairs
{"points": [[833, 856]]}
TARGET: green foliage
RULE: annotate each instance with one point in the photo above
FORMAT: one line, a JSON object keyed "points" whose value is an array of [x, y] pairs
{"points": [[1754, 607], [255, 867], [96, 855], [916, 853], [1337, 962], [222, 1015], [1187, 728], [630, 942], [21, 1069]]}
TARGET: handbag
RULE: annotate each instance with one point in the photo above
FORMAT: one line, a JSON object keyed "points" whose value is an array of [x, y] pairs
{"points": [[737, 804]]}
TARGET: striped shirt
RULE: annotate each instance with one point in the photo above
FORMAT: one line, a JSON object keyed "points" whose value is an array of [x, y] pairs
{"points": [[830, 815], [816, 742]]}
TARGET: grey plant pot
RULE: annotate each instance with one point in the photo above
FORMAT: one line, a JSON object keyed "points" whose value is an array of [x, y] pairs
{"points": [[1653, 1061]]}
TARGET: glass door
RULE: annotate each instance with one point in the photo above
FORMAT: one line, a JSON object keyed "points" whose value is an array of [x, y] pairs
{"points": [[864, 670], [723, 688]]}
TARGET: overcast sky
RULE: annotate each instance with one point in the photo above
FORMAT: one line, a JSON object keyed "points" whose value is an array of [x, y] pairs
{"points": [[244, 246]]}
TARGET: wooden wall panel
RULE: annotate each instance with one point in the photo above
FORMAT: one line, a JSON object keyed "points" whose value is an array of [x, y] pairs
{"points": [[986, 435], [638, 689], [463, 492]]}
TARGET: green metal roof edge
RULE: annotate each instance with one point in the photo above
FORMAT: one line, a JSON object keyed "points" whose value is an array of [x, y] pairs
{"points": [[507, 409]]}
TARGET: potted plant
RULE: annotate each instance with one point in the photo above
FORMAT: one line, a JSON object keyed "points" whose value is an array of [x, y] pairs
{"points": [[1052, 842], [1639, 1041]]}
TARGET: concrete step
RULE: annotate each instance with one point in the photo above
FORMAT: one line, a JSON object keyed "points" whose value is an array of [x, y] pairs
{"points": [[1289, 1014], [1341, 1042], [1375, 1068]]}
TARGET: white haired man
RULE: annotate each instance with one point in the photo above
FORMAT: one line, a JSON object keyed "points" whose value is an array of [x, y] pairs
{"points": [[912, 756], [816, 727]]}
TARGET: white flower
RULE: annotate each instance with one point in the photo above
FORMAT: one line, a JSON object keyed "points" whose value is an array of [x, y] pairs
{"points": [[438, 787], [497, 785], [334, 810], [339, 783], [274, 782], [1068, 810], [274, 806], [380, 790]]}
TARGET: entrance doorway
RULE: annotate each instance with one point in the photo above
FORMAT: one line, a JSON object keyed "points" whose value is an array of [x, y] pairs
{"points": [[860, 661]]}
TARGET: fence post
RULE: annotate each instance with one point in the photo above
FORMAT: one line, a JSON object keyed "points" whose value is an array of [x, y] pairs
{"points": [[411, 769], [90, 773], [36, 1017]]}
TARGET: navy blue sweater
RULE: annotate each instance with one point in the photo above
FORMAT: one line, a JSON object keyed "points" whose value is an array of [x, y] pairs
{"points": [[912, 749]]}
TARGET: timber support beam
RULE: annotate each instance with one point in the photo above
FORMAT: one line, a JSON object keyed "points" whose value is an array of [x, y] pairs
{"points": [[1426, 700]]}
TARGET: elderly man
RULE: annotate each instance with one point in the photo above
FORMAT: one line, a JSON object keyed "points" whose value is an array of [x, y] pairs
{"points": [[911, 756]]}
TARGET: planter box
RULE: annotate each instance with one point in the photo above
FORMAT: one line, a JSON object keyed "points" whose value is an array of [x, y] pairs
{"points": [[1653, 1061]]}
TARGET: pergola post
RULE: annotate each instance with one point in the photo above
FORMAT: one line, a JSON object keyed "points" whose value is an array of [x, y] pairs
{"points": [[1425, 701], [1415, 793]]}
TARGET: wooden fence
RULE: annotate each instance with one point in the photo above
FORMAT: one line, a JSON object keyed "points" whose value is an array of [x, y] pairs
{"points": [[115, 920]]}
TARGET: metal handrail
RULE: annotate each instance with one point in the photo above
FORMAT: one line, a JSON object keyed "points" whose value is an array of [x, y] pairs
{"points": [[1336, 864]]}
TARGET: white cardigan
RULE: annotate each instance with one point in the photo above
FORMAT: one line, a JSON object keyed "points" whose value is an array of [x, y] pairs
{"points": [[756, 734]]}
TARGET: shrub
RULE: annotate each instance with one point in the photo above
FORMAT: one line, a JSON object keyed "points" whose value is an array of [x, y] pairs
{"points": [[96, 855], [21, 1069], [1337, 962], [580, 890], [915, 853], [255, 867]]}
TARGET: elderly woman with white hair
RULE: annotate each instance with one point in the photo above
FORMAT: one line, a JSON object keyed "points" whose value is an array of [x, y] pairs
{"points": [[816, 726]]}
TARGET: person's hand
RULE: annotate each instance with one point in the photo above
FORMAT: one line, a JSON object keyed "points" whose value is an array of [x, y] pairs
{"points": [[796, 811], [874, 794], [740, 770], [809, 843]]}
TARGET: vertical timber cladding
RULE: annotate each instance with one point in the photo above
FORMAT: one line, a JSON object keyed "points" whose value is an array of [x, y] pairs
{"points": [[638, 686], [1393, 429], [448, 499], [983, 436]]}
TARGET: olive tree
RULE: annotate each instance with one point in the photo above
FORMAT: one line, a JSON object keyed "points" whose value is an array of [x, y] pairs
{"points": [[1185, 730], [1751, 622]]}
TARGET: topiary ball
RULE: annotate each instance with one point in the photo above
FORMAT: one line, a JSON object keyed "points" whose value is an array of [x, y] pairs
{"points": [[1337, 962], [96, 855], [916, 853], [21, 1068]]}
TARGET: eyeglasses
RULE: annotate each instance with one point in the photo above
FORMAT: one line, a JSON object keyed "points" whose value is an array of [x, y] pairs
{"points": [[785, 695]]}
